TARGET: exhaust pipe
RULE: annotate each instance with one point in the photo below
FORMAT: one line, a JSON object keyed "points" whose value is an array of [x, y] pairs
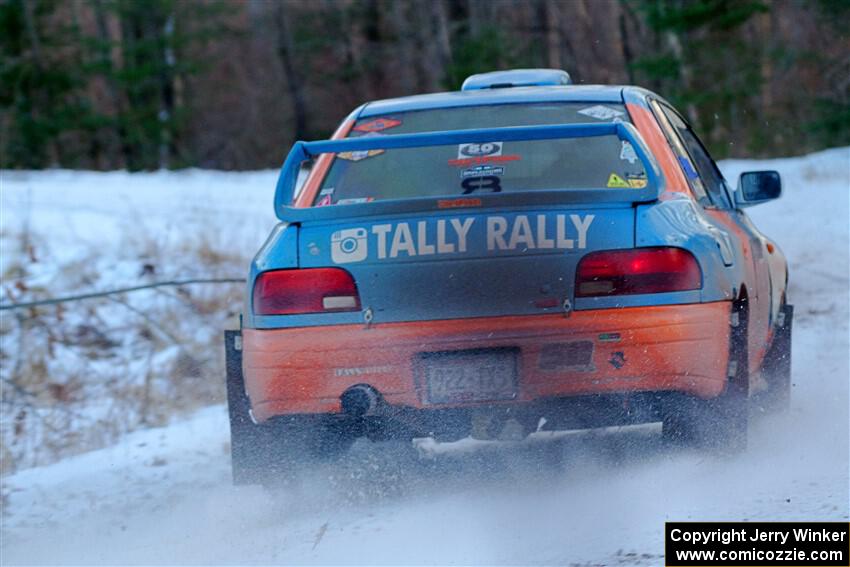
{"points": [[359, 400]]}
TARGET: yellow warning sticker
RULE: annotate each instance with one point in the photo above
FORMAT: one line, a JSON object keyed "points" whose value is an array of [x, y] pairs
{"points": [[637, 183], [617, 181]]}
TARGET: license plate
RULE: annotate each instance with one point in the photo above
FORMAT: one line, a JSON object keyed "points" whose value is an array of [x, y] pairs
{"points": [[470, 376]]}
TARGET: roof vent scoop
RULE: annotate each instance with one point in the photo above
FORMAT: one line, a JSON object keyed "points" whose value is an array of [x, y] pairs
{"points": [[517, 78]]}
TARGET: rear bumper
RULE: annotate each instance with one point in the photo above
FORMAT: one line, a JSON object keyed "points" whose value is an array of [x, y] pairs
{"points": [[673, 348]]}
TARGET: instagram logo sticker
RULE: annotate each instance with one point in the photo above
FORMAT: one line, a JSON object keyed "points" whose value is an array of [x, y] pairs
{"points": [[349, 245]]}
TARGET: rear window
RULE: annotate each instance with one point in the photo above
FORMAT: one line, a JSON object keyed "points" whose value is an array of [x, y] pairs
{"points": [[603, 163]]}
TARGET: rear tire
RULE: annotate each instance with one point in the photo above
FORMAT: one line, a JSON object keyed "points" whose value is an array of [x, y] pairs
{"points": [[776, 368], [719, 423]]}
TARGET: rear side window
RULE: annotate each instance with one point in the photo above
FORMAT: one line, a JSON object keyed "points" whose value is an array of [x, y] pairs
{"points": [[702, 172], [604, 163]]}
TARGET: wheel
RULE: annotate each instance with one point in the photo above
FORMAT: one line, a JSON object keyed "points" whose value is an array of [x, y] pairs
{"points": [[776, 368], [269, 453], [719, 423]]}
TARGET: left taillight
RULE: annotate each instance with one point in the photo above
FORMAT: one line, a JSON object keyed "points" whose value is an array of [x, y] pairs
{"points": [[311, 290]]}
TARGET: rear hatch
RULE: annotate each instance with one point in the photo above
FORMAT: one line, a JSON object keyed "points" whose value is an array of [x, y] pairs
{"points": [[442, 265], [493, 225]]}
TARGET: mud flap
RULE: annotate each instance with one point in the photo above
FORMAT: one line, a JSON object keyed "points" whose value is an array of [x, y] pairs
{"points": [[247, 440], [776, 367], [730, 411]]}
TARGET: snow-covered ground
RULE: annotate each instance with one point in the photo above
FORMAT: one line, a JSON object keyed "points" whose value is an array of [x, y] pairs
{"points": [[163, 495]]}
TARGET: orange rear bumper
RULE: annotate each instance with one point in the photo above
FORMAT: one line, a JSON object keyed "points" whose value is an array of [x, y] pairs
{"points": [[680, 348]]}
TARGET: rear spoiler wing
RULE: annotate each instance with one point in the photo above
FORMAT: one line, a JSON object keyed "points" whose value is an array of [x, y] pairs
{"points": [[303, 151]]}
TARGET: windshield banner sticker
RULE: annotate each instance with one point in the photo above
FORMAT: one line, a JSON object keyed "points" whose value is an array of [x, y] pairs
{"points": [[355, 200], [497, 233], [601, 112]]}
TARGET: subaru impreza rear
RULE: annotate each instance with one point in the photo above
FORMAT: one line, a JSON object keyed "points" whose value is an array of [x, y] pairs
{"points": [[470, 263]]}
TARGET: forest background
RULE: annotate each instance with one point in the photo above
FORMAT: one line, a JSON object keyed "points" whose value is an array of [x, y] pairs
{"points": [[230, 84]]}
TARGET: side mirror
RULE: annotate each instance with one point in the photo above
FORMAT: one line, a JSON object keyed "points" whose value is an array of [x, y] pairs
{"points": [[756, 187]]}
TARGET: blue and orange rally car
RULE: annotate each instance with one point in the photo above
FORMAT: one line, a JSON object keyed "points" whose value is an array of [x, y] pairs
{"points": [[523, 253]]}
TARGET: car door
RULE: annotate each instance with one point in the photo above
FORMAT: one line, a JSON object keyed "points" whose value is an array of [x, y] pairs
{"points": [[714, 194]]}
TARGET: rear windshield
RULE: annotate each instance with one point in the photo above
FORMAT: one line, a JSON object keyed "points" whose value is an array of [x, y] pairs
{"points": [[603, 162]]}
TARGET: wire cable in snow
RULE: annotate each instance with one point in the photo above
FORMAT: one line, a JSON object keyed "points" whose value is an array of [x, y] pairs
{"points": [[6, 306]]}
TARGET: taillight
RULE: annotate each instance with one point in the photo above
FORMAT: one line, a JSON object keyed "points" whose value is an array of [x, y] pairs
{"points": [[642, 270], [313, 290]]}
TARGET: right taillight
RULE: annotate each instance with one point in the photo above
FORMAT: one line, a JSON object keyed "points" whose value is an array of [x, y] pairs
{"points": [[641, 270], [311, 290]]}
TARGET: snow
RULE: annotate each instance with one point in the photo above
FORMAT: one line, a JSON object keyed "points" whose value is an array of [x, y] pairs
{"points": [[163, 495], [86, 209], [67, 232]]}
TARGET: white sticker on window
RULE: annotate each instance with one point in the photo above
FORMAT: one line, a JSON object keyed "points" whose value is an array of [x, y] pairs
{"points": [[601, 112], [627, 153], [487, 149]]}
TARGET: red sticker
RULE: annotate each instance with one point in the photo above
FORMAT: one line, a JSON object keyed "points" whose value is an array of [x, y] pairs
{"points": [[458, 203], [377, 125], [479, 160], [324, 201]]}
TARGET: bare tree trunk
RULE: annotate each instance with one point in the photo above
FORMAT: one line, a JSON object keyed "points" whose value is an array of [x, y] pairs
{"points": [[40, 100], [166, 98], [294, 83], [631, 32], [405, 61], [474, 17], [441, 22], [685, 68], [118, 151], [552, 30], [433, 41]]}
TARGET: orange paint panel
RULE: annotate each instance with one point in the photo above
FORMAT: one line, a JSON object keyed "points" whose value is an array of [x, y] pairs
{"points": [[664, 348], [320, 169], [654, 137]]}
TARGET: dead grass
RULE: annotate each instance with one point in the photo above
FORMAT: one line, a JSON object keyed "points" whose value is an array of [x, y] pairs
{"points": [[76, 376]]}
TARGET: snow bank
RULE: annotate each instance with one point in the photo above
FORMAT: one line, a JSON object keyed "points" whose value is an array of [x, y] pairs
{"points": [[78, 375]]}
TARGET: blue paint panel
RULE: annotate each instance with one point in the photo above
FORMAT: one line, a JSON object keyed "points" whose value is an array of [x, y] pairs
{"points": [[466, 264], [279, 252], [638, 300], [683, 223], [593, 94]]}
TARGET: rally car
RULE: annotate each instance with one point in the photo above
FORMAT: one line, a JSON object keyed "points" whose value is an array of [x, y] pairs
{"points": [[522, 254]]}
